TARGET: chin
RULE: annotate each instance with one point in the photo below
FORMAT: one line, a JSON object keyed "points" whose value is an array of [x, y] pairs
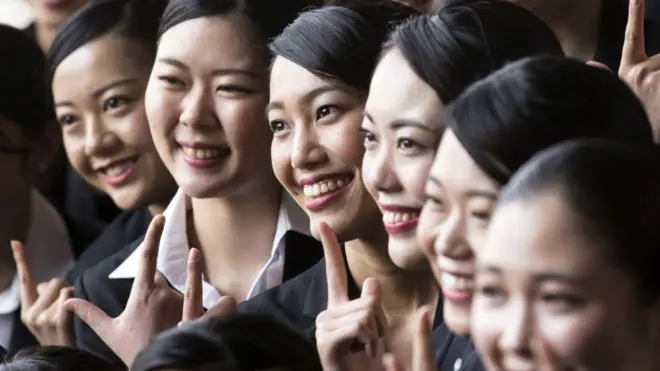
{"points": [[407, 255], [336, 223], [457, 318]]}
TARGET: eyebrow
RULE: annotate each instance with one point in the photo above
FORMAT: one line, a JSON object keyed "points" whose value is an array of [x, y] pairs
{"points": [[471, 193], [559, 277], [217, 72], [306, 99], [488, 269], [96, 94], [401, 123]]}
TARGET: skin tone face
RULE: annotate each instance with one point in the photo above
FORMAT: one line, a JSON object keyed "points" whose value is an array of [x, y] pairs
{"points": [[548, 298], [317, 150], [53, 13], [206, 110], [99, 96], [453, 224], [402, 116]]}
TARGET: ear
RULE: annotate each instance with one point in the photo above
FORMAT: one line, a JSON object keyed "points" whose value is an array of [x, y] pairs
{"points": [[45, 152]]}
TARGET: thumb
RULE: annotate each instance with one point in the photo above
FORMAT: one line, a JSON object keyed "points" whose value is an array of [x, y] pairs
{"points": [[89, 313], [370, 287], [226, 306], [423, 359], [391, 363]]}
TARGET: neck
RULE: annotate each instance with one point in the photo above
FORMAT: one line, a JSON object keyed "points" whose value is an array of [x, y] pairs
{"points": [[45, 35], [235, 234], [403, 290], [158, 208], [575, 23]]}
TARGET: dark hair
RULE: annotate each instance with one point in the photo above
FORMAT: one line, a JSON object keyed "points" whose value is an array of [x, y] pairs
{"points": [[503, 120], [236, 342], [55, 358], [341, 42], [135, 19], [26, 99], [612, 188], [268, 18], [467, 40]]}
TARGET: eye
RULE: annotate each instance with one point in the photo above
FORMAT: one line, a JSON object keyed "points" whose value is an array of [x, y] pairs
{"points": [[405, 143], [232, 88], [562, 301], [277, 126], [434, 201], [66, 120], [482, 215], [491, 292], [325, 111], [367, 137], [114, 103], [171, 80]]}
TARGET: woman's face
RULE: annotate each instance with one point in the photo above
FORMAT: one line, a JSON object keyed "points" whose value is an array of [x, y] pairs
{"points": [[543, 284], [99, 99], [53, 13], [317, 149], [402, 117], [205, 102], [459, 200]]}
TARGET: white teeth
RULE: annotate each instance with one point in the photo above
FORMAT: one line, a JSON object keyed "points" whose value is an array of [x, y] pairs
{"points": [[390, 217], [324, 186], [455, 283], [201, 153], [118, 169]]}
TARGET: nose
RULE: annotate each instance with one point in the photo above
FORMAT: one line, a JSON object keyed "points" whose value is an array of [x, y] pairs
{"points": [[451, 238], [197, 110], [379, 172], [306, 151], [514, 340], [98, 139]]}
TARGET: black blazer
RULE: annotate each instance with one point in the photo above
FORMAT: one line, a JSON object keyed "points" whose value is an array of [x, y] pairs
{"points": [[126, 228], [614, 17], [21, 337], [111, 295], [298, 302]]}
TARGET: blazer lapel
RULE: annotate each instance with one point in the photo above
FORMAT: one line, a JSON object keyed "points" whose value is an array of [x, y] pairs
{"points": [[302, 252]]}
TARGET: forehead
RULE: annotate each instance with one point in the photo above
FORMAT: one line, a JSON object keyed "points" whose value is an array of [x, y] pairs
{"points": [[104, 60], [454, 167], [284, 72], [538, 232], [226, 41], [397, 92]]}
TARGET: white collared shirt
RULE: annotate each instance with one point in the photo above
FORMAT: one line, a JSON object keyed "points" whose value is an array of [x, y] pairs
{"points": [[49, 251], [174, 249]]}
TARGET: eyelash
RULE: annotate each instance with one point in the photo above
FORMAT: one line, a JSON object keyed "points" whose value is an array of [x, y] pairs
{"points": [[171, 80], [276, 125], [64, 122], [231, 88], [119, 102], [329, 109]]}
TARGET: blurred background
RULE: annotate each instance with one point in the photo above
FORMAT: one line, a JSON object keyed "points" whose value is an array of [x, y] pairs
{"points": [[16, 13]]}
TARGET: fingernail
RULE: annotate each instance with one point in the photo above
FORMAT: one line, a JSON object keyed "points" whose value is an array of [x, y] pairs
{"points": [[194, 255]]}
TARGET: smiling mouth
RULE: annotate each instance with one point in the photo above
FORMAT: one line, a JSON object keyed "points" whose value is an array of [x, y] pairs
{"points": [[326, 186], [204, 153], [117, 172]]}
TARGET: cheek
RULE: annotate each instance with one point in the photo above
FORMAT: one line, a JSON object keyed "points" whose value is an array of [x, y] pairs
{"points": [[413, 174], [75, 152], [425, 235], [342, 142], [485, 328], [244, 124], [161, 110], [588, 338], [280, 154]]}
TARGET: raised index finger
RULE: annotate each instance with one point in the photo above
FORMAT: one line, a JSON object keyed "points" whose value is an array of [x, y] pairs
{"points": [[335, 267], [193, 306], [149, 254], [26, 278], [633, 45]]}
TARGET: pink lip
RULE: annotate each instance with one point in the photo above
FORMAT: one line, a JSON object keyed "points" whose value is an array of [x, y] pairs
{"points": [[401, 227], [56, 4], [120, 179], [321, 202], [460, 297]]}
